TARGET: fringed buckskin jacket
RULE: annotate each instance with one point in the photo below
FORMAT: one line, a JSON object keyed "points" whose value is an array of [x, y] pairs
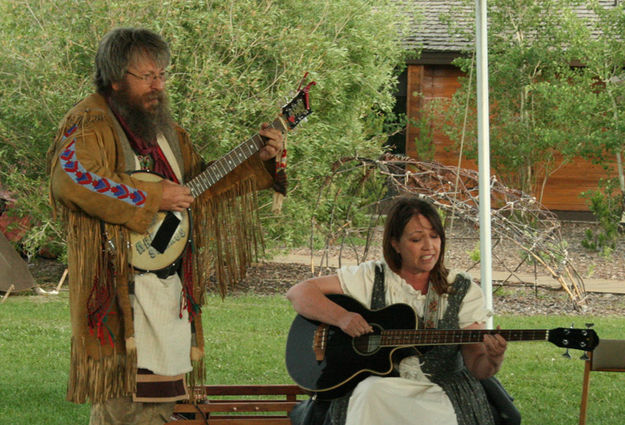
{"points": [[100, 203]]}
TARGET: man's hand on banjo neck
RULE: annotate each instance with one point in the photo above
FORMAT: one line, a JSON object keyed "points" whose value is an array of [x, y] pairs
{"points": [[177, 197]]}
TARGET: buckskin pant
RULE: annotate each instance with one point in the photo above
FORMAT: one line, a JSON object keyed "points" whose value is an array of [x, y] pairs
{"points": [[123, 411]]}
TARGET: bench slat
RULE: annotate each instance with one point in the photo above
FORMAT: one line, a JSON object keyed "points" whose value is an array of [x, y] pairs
{"points": [[272, 402], [277, 389], [235, 421], [247, 406]]}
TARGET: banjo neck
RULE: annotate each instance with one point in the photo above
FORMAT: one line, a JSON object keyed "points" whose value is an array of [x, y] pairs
{"points": [[224, 165], [167, 237]]}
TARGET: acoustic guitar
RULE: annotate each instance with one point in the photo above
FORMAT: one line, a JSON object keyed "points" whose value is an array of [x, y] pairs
{"points": [[166, 238], [324, 360]]}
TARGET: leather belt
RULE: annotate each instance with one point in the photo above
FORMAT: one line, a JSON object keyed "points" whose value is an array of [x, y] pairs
{"points": [[169, 270], [161, 274]]}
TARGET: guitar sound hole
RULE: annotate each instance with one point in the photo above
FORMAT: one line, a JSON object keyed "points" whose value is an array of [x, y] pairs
{"points": [[368, 344]]}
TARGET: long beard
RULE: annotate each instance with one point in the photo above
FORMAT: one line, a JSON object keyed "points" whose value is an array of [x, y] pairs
{"points": [[144, 123]]}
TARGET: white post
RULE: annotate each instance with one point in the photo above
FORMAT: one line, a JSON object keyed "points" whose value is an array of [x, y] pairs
{"points": [[481, 45]]}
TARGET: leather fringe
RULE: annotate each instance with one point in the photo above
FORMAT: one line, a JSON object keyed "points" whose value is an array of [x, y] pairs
{"points": [[195, 381], [227, 229], [98, 380], [230, 227], [99, 372], [276, 205]]}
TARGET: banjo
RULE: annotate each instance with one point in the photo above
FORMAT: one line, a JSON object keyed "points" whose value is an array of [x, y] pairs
{"points": [[167, 236]]}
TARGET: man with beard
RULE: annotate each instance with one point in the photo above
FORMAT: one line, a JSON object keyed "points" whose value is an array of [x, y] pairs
{"points": [[136, 335]]}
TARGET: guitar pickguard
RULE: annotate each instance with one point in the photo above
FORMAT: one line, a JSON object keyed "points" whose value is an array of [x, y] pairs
{"points": [[171, 243]]}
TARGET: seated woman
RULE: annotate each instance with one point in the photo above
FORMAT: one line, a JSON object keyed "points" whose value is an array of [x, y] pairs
{"points": [[440, 386]]}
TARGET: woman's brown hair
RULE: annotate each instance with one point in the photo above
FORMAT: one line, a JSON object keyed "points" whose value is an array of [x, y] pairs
{"points": [[400, 213]]}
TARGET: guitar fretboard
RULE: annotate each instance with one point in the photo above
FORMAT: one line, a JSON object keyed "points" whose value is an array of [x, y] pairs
{"points": [[218, 169], [399, 337]]}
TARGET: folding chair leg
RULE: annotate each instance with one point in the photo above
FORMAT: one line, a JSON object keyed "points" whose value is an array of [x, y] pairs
{"points": [[584, 403]]}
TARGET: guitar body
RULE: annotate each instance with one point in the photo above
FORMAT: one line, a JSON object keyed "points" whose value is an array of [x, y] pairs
{"points": [[166, 238], [323, 359], [347, 360]]}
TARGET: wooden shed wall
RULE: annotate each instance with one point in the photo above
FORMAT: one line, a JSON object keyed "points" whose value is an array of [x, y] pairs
{"points": [[563, 188]]}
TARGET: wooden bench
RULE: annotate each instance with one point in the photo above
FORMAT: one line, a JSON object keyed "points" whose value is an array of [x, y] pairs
{"points": [[239, 405]]}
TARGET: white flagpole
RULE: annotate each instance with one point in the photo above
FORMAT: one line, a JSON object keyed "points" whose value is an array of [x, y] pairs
{"points": [[481, 45]]}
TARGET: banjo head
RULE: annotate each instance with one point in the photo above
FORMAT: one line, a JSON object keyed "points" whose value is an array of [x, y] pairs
{"points": [[146, 257], [152, 251]]}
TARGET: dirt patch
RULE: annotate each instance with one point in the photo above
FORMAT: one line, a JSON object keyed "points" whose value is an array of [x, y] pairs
{"points": [[275, 278], [462, 241], [463, 244], [507, 256]]}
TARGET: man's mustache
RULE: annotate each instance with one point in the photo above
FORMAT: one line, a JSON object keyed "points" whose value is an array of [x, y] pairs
{"points": [[155, 95]]}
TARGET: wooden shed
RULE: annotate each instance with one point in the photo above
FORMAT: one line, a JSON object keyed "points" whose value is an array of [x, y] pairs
{"points": [[432, 76]]}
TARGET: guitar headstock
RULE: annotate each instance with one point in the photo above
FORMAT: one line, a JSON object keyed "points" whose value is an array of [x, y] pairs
{"points": [[578, 339], [298, 108]]}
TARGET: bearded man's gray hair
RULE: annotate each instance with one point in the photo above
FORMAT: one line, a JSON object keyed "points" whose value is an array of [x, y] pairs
{"points": [[122, 47]]}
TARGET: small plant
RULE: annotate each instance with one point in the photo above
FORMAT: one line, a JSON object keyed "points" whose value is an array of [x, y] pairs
{"points": [[424, 142], [591, 270], [475, 254], [606, 204], [589, 241], [606, 251]]}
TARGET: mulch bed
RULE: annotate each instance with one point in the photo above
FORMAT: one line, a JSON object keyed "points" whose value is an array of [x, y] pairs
{"points": [[276, 278], [269, 278]]}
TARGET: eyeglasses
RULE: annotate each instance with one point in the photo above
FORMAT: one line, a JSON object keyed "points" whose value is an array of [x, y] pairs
{"points": [[150, 78]]}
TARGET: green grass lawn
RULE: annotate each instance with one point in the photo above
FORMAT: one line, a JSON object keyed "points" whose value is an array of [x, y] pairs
{"points": [[245, 340]]}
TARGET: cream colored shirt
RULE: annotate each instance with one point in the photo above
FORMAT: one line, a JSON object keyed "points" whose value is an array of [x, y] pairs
{"points": [[357, 282], [411, 398]]}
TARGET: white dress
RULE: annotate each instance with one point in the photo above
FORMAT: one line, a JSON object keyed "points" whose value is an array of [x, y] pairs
{"points": [[411, 398], [162, 327]]}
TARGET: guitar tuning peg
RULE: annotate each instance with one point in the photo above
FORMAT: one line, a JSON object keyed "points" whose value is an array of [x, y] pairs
{"points": [[566, 354], [584, 356]]}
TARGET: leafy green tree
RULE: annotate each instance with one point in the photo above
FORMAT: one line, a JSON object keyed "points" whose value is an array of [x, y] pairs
{"points": [[604, 67], [234, 63], [537, 120], [604, 61]]}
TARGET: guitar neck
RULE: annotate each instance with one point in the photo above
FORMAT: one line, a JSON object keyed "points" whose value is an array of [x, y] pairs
{"points": [[401, 337], [220, 168]]}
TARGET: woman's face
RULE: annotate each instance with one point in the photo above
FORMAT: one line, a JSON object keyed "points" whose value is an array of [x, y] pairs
{"points": [[419, 245]]}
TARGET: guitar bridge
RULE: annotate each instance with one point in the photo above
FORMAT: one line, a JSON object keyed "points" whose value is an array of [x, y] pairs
{"points": [[320, 341]]}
